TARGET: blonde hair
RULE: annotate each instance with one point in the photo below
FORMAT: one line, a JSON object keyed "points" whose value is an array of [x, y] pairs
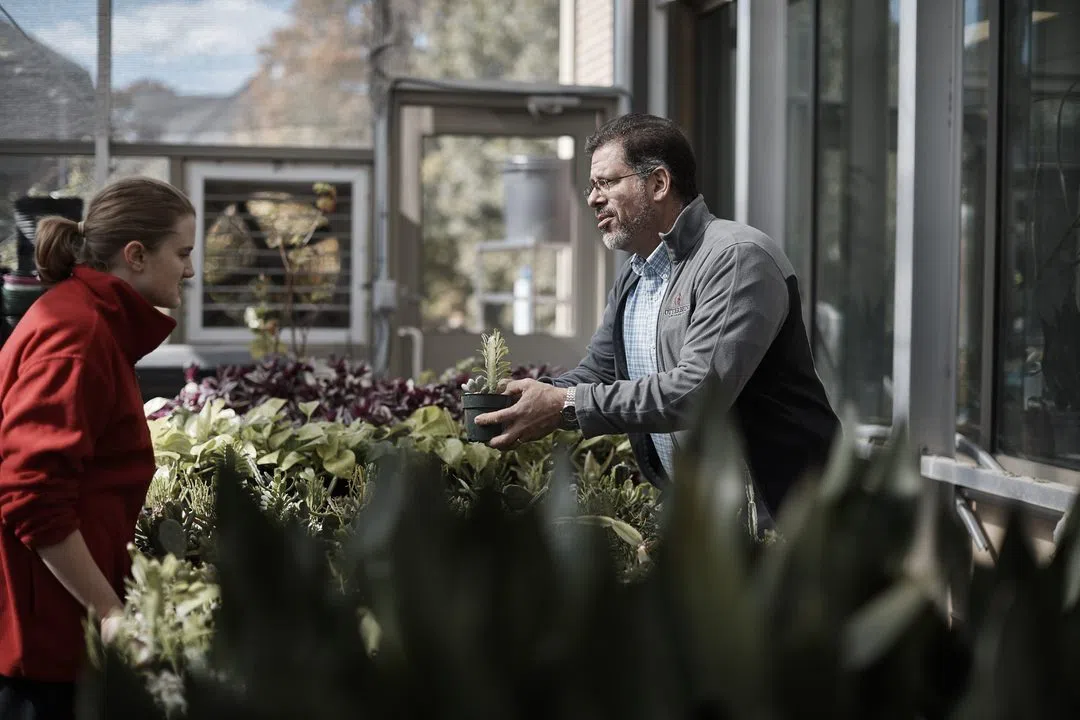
{"points": [[133, 209]]}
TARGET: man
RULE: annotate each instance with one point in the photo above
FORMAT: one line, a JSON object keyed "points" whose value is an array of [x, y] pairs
{"points": [[700, 299]]}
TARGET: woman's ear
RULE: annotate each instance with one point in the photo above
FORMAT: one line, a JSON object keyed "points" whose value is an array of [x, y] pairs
{"points": [[135, 255]]}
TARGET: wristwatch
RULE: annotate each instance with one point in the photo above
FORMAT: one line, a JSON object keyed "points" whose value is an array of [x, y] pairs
{"points": [[569, 410]]}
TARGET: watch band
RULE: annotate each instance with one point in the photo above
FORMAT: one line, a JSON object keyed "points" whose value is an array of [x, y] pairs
{"points": [[569, 410]]}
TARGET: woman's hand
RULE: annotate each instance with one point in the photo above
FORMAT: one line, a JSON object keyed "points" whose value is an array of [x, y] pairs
{"points": [[110, 625], [73, 565]]}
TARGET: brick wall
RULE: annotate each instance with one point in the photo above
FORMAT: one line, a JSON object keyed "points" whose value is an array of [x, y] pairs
{"points": [[594, 55]]}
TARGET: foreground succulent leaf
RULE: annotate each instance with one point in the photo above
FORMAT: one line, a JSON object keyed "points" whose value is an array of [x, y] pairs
{"points": [[114, 690], [312, 656], [1018, 671], [839, 473], [878, 625], [1067, 557], [624, 530], [704, 564]]}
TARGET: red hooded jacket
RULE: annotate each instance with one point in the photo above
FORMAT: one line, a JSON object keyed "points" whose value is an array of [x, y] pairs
{"points": [[75, 453]]}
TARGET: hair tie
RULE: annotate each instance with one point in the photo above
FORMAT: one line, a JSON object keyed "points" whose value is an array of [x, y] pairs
{"points": [[80, 226]]}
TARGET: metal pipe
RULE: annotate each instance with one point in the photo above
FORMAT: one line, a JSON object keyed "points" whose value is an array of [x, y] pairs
{"points": [[869, 434], [1059, 528], [103, 95], [417, 337], [974, 527], [382, 290], [973, 450]]}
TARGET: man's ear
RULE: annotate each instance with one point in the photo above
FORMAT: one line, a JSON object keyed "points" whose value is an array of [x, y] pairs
{"points": [[663, 188], [135, 255]]}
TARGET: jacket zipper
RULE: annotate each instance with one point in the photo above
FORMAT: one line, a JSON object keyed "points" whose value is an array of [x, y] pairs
{"points": [[675, 267], [656, 340]]}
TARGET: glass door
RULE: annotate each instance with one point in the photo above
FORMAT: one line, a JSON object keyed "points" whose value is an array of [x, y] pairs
{"points": [[489, 227]]}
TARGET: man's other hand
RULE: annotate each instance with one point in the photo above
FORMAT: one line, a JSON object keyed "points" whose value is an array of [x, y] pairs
{"points": [[536, 413]]}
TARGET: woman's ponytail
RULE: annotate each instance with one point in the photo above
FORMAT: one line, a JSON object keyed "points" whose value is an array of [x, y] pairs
{"points": [[56, 248]]}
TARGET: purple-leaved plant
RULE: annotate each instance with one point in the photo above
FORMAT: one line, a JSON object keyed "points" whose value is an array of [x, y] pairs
{"points": [[346, 390]]}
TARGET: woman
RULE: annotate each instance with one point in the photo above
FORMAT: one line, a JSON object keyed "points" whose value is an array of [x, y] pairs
{"points": [[75, 453]]}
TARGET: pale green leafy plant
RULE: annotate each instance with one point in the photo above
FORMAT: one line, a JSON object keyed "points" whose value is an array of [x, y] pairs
{"points": [[167, 624], [319, 475]]}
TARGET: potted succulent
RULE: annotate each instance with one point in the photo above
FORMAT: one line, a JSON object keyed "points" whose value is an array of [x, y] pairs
{"points": [[482, 394]]}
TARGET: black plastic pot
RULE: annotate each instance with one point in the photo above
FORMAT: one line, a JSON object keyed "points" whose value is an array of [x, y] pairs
{"points": [[18, 293], [477, 404]]}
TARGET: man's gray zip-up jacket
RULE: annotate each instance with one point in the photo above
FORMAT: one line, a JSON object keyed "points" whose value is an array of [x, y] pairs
{"points": [[731, 310]]}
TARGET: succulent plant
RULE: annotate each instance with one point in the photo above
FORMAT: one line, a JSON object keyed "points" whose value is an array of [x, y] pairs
{"points": [[473, 385], [495, 370]]}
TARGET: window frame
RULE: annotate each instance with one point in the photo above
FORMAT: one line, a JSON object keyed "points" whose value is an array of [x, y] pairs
{"points": [[996, 267], [993, 268], [196, 175]]}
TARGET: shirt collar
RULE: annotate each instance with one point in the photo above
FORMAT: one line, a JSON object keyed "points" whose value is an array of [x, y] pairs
{"points": [[658, 263]]}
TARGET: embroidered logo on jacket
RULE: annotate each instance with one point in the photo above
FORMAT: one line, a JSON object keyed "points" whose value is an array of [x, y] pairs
{"points": [[677, 307]]}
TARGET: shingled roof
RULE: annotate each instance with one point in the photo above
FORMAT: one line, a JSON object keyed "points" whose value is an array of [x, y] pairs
{"points": [[43, 95]]}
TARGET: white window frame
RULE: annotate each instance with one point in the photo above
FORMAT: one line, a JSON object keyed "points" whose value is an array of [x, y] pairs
{"points": [[197, 173]]}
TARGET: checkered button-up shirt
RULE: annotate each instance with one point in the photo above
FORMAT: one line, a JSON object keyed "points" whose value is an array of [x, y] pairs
{"points": [[639, 330]]}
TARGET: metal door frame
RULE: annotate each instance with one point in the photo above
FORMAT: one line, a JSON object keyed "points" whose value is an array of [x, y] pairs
{"points": [[491, 109]]}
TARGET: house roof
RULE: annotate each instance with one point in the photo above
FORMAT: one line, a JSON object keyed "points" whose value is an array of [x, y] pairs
{"points": [[43, 95]]}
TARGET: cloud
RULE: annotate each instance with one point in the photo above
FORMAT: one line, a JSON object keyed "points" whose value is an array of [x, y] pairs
{"points": [[205, 27], [158, 39], [77, 41]]}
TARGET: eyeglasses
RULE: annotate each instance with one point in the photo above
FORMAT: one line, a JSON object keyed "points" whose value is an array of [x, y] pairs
{"points": [[604, 184]]}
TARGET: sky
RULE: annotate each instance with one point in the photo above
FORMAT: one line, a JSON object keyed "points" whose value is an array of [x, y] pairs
{"points": [[204, 47], [199, 47]]}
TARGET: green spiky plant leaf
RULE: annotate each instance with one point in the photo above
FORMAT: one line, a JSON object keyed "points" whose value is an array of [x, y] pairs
{"points": [[496, 368]]}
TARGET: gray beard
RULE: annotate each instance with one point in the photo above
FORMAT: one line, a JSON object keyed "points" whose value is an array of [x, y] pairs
{"points": [[619, 240], [623, 238]]}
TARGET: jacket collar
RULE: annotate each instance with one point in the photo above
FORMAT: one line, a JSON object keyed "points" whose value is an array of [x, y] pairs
{"points": [[137, 325], [688, 228]]}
